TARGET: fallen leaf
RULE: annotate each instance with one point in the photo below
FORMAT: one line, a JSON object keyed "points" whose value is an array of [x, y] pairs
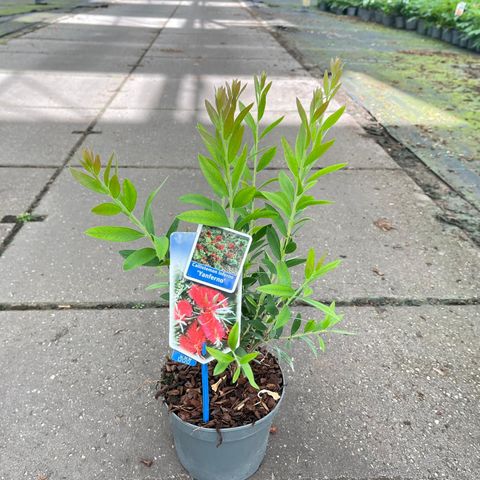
{"points": [[378, 272], [273, 429], [146, 461], [384, 224], [274, 395], [215, 386]]}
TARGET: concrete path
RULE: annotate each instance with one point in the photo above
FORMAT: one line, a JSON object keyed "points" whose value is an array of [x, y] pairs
{"points": [[82, 342]]}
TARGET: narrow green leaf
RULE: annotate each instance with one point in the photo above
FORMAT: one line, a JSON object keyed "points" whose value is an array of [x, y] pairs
{"points": [[161, 246], [287, 186], [282, 318], [327, 170], [248, 358], [310, 265], [220, 356], [321, 343], [236, 374], [114, 234], [114, 186], [129, 198], [277, 290], [220, 367], [283, 274], [205, 217], [213, 176], [332, 119], [138, 258], [296, 324], [147, 218], [266, 158], [274, 242], [234, 337], [156, 286], [244, 197], [106, 209], [87, 181], [318, 151], [106, 173], [271, 127], [247, 370]]}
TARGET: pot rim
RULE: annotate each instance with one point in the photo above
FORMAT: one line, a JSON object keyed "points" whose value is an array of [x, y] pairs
{"points": [[235, 429]]}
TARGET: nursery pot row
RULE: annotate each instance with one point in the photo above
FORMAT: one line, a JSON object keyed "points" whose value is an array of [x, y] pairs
{"points": [[229, 453]]}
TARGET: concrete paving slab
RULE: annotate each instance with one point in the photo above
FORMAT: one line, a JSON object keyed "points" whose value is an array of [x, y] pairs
{"points": [[40, 136], [231, 68], [80, 62], [57, 89], [31, 46], [27, 182], [400, 403], [5, 229], [134, 133], [416, 260]]}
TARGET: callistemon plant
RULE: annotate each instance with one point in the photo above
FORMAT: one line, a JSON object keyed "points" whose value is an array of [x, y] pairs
{"points": [[271, 207]]}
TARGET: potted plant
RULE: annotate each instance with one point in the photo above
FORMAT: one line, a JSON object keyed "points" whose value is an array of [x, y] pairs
{"points": [[246, 382]]}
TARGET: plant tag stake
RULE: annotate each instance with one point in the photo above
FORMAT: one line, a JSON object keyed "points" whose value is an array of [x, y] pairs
{"points": [[182, 358], [198, 314], [217, 257], [205, 387]]}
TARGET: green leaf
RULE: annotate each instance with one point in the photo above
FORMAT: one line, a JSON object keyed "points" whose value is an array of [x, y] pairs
{"points": [[234, 336], [289, 157], [154, 262], [114, 234], [327, 170], [213, 176], [87, 181], [156, 286], [201, 200], [147, 218], [321, 343], [271, 127], [274, 242], [114, 186], [258, 213], [138, 258], [296, 325], [283, 274], [287, 186], [309, 326], [236, 374], [278, 290], [293, 262], [326, 268], [205, 217], [220, 367], [248, 358], [247, 370], [244, 197], [129, 198], [321, 306], [106, 173], [332, 119], [220, 356], [310, 344], [318, 151], [310, 265], [106, 209], [278, 200], [266, 158], [161, 246], [283, 317]]}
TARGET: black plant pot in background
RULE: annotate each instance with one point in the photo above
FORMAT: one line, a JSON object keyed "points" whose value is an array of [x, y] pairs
{"points": [[411, 24], [463, 41], [378, 16], [422, 27], [365, 14], [352, 11], [399, 22], [455, 37], [447, 35], [388, 20], [323, 6], [435, 31]]}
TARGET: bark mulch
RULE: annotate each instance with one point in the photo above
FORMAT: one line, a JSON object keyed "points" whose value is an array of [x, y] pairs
{"points": [[231, 405]]}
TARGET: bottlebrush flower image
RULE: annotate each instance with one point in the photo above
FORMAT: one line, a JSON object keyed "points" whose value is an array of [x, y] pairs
{"points": [[220, 249], [192, 341]]}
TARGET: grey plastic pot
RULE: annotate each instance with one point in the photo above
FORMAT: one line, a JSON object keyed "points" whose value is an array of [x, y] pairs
{"points": [[378, 16], [238, 456], [388, 20], [323, 6], [455, 37], [422, 27], [365, 14], [447, 35], [352, 11], [399, 22], [411, 24], [436, 32]]}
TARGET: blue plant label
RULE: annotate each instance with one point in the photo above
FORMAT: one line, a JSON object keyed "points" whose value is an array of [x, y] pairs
{"points": [[182, 358], [217, 257]]}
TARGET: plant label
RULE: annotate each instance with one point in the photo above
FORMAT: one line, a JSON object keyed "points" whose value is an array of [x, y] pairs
{"points": [[182, 358], [199, 314], [217, 257], [460, 9]]}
